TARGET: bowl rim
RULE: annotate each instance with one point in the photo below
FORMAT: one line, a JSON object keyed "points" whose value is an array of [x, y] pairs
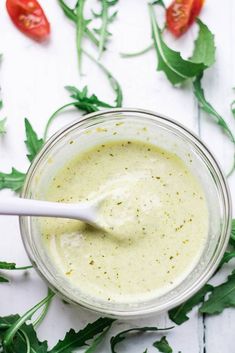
{"points": [[193, 139]]}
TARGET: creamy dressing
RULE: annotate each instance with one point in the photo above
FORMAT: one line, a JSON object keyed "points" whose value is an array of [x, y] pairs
{"points": [[156, 222]]}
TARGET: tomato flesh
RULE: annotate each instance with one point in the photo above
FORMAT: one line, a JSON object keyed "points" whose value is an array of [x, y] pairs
{"points": [[29, 17], [181, 14]]}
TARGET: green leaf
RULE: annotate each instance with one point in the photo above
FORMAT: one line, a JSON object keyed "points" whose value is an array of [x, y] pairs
{"points": [[84, 102], [233, 108], [170, 62], [71, 14], [33, 343], [3, 126], [19, 326], [7, 265], [159, 2], [204, 47], [121, 336], [3, 279], [179, 314], [10, 266], [223, 296], [74, 340], [207, 107], [13, 180], [25, 337], [113, 81], [32, 142], [137, 53], [226, 258], [163, 345], [93, 346], [232, 235], [106, 19], [80, 28], [1, 103]]}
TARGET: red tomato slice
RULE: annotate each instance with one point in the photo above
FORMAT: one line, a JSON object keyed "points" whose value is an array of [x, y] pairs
{"points": [[29, 18], [181, 14]]}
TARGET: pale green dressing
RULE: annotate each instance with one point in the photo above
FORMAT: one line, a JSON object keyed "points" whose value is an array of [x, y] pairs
{"points": [[157, 222]]}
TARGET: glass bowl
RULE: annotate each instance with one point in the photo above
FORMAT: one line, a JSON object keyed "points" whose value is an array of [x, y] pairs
{"points": [[116, 124]]}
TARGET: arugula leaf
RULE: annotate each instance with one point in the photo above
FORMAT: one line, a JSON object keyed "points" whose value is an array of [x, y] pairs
{"points": [[232, 235], [96, 342], [121, 336], [226, 258], [7, 265], [178, 314], [137, 53], [204, 46], [113, 81], [74, 340], [233, 108], [25, 339], [207, 107], [86, 103], [170, 62], [43, 312], [71, 14], [11, 266], [83, 102], [80, 26], [13, 180], [163, 345], [18, 326], [3, 126], [159, 2], [223, 296], [106, 19], [3, 279], [32, 142]]}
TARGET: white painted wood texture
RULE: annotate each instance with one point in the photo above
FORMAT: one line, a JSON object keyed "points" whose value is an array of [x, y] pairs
{"points": [[32, 80]]}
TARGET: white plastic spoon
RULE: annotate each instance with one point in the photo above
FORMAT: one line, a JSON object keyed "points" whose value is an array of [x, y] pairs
{"points": [[83, 211]]}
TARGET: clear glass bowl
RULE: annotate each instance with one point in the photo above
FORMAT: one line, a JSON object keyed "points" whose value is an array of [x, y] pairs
{"points": [[116, 124]]}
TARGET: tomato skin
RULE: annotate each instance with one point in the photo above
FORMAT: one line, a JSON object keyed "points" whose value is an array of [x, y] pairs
{"points": [[181, 14], [29, 17], [196, 9]]}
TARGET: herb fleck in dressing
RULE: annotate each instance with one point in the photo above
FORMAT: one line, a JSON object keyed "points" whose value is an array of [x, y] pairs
{"points": [[155, 214]]}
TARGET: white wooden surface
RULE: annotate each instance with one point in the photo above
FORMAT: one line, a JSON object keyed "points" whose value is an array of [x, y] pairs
{"points": [[32, 80]]}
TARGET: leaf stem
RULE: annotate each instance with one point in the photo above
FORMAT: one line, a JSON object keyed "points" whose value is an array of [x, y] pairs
{"points": [[28, 346], [113, 81], [23, 268], [44, 311], [52, 117], [79, 31], [10, 333], [104, 25], [137, 53], [91, 36], [73, 17]]}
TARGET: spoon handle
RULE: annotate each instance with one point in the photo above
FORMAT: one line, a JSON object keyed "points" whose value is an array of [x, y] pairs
{"points": [[27, 207]]}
